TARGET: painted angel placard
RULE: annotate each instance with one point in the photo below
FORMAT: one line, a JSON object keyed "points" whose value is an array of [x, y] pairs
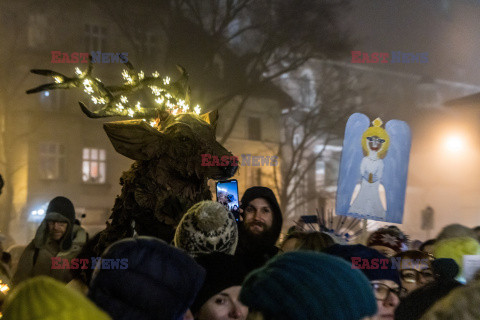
{"points": [[373, 171]]}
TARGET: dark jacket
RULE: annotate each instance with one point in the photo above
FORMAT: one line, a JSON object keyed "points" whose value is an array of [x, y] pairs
{"points": [[256, 254]]}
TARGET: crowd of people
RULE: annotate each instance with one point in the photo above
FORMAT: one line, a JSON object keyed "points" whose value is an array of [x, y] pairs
{"points": [[218, 269]]}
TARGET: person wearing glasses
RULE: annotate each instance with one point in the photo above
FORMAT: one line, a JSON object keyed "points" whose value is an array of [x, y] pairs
{"points": [[415, 269], [384, 279]]}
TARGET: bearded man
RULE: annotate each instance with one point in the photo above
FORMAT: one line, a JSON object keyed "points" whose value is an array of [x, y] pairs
{"points": [[260, 227]]}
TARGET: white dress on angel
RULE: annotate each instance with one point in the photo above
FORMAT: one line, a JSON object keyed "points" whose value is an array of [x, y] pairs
{"points": [[368, 203]]}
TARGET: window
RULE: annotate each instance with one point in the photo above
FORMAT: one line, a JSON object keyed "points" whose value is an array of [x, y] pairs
{"points": [[95, 37], [94, 165], [37, 30], [254, 129], [52, 161]]}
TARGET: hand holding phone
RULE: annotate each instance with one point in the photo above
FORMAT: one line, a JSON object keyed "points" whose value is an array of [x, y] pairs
{"points": [[227, 194]]}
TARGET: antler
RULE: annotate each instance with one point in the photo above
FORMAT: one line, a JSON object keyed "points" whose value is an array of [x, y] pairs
{"points": [[169, 97]]}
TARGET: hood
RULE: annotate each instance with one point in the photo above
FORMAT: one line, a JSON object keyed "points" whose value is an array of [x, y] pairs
{"points": [[267, 194], [41, 235]]}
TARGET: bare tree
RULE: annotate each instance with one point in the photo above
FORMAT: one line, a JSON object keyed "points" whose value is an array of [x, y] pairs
{"points": [[316, 121], [235, 48]]}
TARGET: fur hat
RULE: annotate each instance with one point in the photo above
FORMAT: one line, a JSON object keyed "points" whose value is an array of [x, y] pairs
{"points": [[207, 227], [308, 285]]}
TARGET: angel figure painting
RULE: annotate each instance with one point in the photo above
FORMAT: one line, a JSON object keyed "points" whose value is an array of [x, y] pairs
{"points": [[373, 169]]}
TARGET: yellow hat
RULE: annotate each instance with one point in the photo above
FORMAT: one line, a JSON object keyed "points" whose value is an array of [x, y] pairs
{"points": [[44, 298]]}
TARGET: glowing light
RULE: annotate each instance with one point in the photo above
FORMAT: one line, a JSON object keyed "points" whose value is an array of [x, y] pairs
{"points": [[156, 74], [120, 106], [159, 100], [130, 112], [156, 90], [153, 123], [4, 288], [78, 71], [126, 76], [141, 75], [166, 80], [40, 212], [138, 106], [455, 143], [58, 79], [197, 109], [123, 99]]}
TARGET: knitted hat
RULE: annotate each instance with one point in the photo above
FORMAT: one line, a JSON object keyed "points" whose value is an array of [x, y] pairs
{"points": [[388, 237], [361, 253], [207, 227], [159, 282], [59, 209], [44, 298], [308, 285], [456, 248], [267, 194], [223, 271]]}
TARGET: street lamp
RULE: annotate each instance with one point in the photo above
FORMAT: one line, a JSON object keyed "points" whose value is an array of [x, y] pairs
{"points": [[455, 143]]}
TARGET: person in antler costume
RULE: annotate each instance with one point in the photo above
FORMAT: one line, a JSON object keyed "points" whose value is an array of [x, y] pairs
{"points": [[166, 141]]}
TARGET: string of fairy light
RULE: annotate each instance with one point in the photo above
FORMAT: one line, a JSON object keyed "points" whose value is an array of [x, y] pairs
{"points": [[120, 105]]}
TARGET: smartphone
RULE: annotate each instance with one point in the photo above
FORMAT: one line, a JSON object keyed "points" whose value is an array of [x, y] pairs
{"points": [[227, 194]]}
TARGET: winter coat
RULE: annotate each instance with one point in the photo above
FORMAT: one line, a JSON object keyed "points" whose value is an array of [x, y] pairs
{"points": [[37, 258]]}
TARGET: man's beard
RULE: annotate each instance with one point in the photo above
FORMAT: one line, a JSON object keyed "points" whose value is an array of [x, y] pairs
{"points": [[260, 241]]}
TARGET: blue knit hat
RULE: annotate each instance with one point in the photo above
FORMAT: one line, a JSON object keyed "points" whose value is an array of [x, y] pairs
{"points": [[308, 285], [374, 269], [157, 281]]}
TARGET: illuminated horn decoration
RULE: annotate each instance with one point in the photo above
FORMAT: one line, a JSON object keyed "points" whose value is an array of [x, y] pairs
{"points": [[166, 98]]}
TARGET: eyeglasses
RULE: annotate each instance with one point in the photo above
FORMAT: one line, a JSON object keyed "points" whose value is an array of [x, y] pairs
{"points": [[371, 139], [382, 291], [413, 276]]}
